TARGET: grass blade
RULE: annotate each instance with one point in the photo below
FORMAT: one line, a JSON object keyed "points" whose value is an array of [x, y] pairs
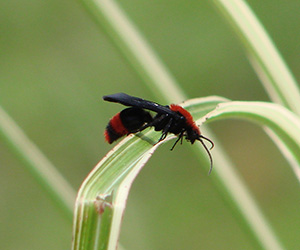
{"points": [[165, 86], [282, 122], [46, 174], [265, 58], [135, 49], [112, 178]]}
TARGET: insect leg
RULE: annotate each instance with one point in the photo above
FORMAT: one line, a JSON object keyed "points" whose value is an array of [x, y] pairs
{"points": [[166, 130], [180, 136], [150, 124]]}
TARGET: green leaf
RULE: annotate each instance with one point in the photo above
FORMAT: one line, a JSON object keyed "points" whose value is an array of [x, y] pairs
{"points": [[155, 74], [284, 124], [263, 54], [102, 197], [38, 164]]}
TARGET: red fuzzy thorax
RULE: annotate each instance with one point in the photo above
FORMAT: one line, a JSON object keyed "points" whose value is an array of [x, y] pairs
{"points": [[189, 119]]}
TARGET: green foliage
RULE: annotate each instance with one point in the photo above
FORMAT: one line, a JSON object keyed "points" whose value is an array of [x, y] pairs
{"points": [[51, 84], [113, 177]]}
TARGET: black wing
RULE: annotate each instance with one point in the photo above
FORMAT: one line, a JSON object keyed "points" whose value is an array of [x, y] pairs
{"points": [[128, 100]]}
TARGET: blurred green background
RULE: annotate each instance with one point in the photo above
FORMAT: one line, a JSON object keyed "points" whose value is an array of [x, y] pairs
{"points": [[56, 64]]}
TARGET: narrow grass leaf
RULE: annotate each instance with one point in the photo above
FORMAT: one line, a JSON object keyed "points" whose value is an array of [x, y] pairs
{"points": [[37, 163], [97, 225], [162, 84], [264, 56], [282, 122]]}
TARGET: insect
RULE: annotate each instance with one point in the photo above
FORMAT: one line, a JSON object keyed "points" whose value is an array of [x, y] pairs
{"points": [[169, 119]]}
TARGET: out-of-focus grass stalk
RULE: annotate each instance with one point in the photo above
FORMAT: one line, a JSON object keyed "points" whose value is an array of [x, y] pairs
{"points": [[38, 164], [264, 56], [136, 50], [266, 61]]}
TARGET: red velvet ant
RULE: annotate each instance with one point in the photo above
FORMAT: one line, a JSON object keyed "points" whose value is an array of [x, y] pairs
{"points": [[169, 119]]}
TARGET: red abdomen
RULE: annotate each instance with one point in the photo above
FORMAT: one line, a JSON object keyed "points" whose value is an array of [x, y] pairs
{"points": [[115, 129]]}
